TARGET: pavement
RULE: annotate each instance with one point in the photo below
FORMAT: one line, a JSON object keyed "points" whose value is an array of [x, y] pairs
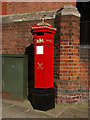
{"points": [[15, 109]]}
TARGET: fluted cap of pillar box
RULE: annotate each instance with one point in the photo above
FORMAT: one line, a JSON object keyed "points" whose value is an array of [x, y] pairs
{"points": [[43, 25]]}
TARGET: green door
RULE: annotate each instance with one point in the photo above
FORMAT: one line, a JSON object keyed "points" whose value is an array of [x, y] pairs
{"points": [[14, 75]]}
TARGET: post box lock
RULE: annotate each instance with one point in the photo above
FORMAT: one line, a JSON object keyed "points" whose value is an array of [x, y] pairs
{"points": [[47, 45]]}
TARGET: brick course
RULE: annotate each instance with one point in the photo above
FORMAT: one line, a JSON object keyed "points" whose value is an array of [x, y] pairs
{"points": [[28, 7]]}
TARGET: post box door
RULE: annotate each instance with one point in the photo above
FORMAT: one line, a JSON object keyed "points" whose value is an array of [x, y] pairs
{"points": [[39, 67], [44, 66], [48, 65]]}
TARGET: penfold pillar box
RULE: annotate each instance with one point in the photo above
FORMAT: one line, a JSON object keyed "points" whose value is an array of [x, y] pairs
{"points": [[43, 97]]}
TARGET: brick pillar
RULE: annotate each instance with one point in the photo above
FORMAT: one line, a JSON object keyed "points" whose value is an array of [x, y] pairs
{"points": [[67, 43]]}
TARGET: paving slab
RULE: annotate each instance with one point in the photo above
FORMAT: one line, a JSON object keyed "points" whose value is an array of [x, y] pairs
{"points": [[5, 105], [59, 108], [72, 113], [75, 111], [14, 109], [35, 114]]}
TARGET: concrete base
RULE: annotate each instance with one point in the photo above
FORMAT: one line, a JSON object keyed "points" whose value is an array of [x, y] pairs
{"points": [[43, 99]]}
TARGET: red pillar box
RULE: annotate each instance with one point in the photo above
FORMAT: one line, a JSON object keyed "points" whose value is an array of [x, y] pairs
{"points": [[43, 51]]}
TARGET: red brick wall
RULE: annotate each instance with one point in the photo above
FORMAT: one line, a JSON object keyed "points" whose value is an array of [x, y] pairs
{"points": [[67, 57], [84, 72], [28, 7], [17, 36], [4, 8]]}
